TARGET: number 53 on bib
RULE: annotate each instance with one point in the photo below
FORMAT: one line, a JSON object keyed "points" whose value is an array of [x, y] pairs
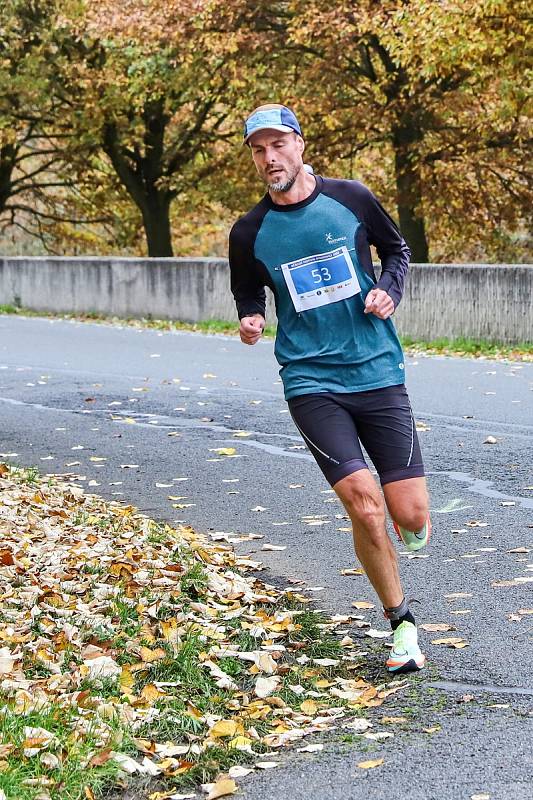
{"points": [[321, 279]]}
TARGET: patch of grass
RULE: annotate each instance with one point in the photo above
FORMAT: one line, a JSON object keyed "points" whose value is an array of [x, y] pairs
{"points": [[232, 666], [459, 346], [309, 626], [245, 641], [175, 725], [71, 775], [28, 475], [127, 614], [101, 687], [463, 346], [185, 666], [193, 581], [349, 738], [158, 536]]}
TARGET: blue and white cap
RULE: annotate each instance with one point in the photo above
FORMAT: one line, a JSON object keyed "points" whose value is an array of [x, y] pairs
{"points": [[271, 117]]}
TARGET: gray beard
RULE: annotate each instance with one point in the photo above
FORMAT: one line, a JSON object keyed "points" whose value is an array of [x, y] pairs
{"points": [[282, 186]]}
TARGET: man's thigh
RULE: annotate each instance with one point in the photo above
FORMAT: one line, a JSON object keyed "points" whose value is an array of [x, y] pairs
{"points": [[330, 433], [387, 430]]}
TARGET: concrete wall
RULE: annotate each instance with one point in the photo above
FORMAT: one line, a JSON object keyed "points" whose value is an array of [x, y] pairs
{"points": [[493, 302]]}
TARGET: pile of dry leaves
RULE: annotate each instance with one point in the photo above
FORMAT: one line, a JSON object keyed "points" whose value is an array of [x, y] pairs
{"points": [[130, 648]]}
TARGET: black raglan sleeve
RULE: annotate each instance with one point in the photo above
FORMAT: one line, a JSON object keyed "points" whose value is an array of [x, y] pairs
{"points": [[246, 279], [391, 247]]}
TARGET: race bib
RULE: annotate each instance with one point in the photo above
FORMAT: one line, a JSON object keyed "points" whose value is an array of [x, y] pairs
{"points": [[321, 279]]}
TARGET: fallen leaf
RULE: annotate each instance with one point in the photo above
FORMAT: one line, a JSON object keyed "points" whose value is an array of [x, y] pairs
{"points": [[371, 763], [375, 634], [437, 626], [150, 656], [224, 727], [422, 426], [266, 686], [358, 725], [514, 582], [101, 667], [362, 604], [6, 558], [311, 748], [452, 641], [151, 693], [101, 758], [37, 739], [126, 763]]}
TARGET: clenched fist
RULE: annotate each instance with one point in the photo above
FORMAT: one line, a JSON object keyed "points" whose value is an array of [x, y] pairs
{"points": [[379, 303], [251, 328]]}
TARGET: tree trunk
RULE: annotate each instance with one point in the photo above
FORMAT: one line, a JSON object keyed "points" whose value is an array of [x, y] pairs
{"points": [[409, 192], [7, 164], [140, 173], [156, 221]]}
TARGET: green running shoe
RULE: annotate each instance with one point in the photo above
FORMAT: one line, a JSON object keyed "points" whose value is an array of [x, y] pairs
{"points": [[414, 540], [405, 655]]}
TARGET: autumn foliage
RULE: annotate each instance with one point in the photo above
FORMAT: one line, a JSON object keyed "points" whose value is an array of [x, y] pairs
{"points": [[120, 123]]}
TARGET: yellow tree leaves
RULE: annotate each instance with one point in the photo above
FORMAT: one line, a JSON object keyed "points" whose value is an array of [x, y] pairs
{"points": [[426, 102], [443, 81]]}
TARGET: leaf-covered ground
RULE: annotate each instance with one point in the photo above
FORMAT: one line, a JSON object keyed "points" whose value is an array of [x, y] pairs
{"points": [[132, 650]]}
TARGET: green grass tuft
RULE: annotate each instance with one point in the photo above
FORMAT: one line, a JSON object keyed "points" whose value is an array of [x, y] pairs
{"points": [[459, 346]]}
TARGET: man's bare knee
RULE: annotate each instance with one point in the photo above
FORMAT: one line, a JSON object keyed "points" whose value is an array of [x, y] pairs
{"points": [[408, 503], [412, 518], [363, 502]]}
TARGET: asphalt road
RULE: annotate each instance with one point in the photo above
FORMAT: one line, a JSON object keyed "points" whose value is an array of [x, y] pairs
{"points": [[157, 406]]}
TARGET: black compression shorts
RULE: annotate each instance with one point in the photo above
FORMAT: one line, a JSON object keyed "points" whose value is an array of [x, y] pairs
{"points": [[334, 426]]}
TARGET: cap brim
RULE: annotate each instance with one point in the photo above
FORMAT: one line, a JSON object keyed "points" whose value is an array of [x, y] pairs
{"points": [[281, 128]]}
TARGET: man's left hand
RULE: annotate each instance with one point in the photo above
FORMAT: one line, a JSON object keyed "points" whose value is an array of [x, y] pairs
{"points": [[379, 303]]}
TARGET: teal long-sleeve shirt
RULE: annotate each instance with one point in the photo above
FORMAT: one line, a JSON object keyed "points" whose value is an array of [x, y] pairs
{"points": [[315, 256]]}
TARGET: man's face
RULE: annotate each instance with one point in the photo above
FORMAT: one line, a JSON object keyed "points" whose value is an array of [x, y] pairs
{"points": [[277, 157]]}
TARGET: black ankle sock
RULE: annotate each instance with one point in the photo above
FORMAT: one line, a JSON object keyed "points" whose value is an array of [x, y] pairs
{"points": [[406, 618]]}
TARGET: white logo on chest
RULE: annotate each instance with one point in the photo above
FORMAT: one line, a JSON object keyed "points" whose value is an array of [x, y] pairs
{"points": [[331, 240]]}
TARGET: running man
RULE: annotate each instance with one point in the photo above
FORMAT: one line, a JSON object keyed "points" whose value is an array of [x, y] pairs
{"points": [[341, 362]]}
